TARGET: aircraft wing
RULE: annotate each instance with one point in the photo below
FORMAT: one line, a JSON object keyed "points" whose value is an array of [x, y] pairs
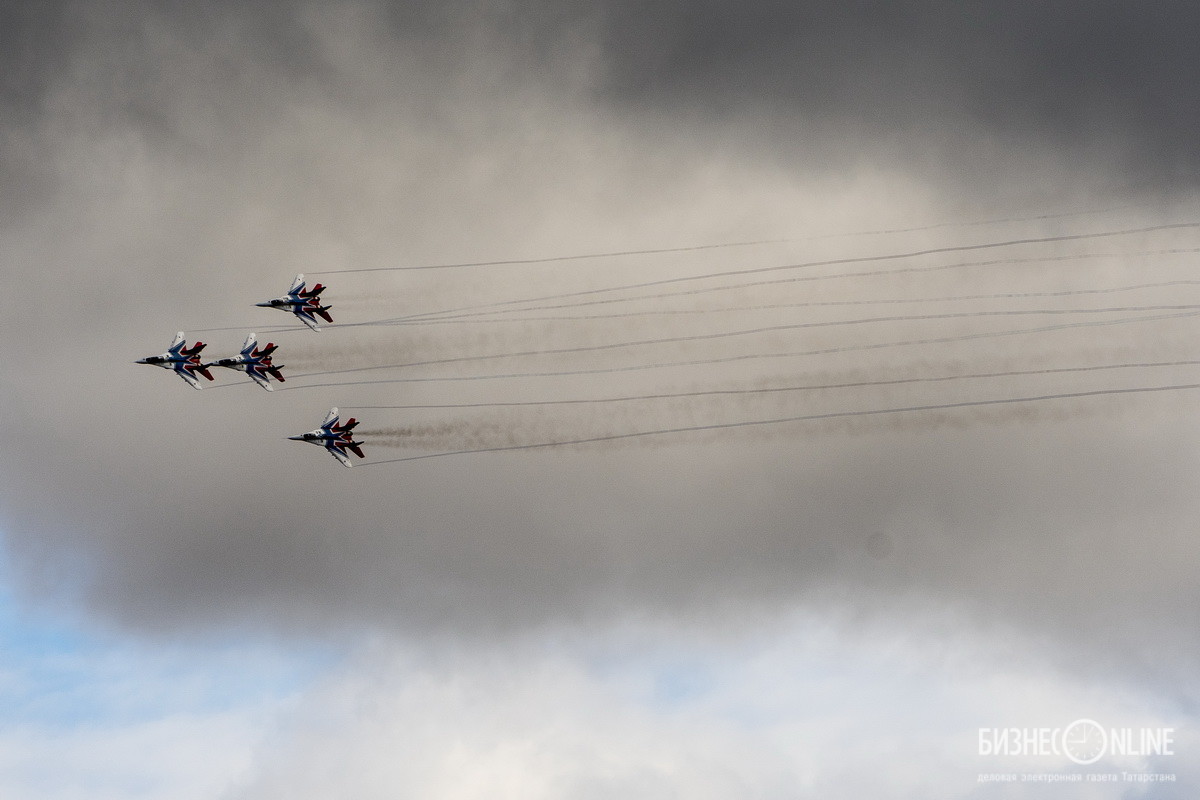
{"points": [[330, 418], [251, 343], [261, 380], [337, 453], [306, 318], [297, 284], [188, 378], [176, 344]]}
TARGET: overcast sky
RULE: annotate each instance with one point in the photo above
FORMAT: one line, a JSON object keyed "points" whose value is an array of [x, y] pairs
{"points": [[194, 606]]}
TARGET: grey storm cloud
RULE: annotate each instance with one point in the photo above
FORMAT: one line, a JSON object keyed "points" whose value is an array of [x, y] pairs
{"points": [[927, 81], [185, 160]]}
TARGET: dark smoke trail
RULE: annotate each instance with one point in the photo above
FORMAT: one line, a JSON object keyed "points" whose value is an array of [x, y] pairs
{"points": [[757, 331], [829, 262], [808, 387], [723, 245], [800, 418], [743, 357]]}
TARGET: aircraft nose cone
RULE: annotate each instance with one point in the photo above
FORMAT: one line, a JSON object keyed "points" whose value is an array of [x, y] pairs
{"points": [[141, 361], [296, 438]]}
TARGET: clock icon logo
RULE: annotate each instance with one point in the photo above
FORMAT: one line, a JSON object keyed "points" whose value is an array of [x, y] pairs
{"points": [[1084, 741]]}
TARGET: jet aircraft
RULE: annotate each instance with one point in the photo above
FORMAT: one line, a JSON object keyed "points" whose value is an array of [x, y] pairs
{"points": [[337, 439], [254, 362], [304, 303], [184, 360]]}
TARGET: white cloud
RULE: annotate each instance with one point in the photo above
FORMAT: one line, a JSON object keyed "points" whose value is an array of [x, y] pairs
{"points": [[183, 757], [786, 710]]}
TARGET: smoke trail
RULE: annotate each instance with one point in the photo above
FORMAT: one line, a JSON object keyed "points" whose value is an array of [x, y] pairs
{"points": [[827, 262], [742, 357], [518, 433], [781, 389], [778, 282], [783, 420], [484, 318], [723, 245], [774, 329]]}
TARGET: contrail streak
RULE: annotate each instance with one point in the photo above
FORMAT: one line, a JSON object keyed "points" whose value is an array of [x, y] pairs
{"points": [[579, 257], [722, 245], [483, 318], [434, 316], [798, 418], [806, 387], [425, 317], [825, 263], [754, 332], [745, 356], [251, 327], [780, 281]]}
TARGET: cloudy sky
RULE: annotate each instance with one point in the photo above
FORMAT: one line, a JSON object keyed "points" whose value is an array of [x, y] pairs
{"points": [[861, 335]]}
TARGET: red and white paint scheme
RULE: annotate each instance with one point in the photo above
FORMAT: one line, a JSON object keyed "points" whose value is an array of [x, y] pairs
{"points": [[254, 362], [304, 303], [184, 360], [337, 439]]}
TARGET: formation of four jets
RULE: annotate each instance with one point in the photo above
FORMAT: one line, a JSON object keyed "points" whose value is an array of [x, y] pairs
{"points": [[256, 362]]}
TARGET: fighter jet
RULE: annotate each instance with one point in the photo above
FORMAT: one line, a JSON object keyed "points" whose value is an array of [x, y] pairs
{"points": [[254, 362], [183, 360], [337, 439], [302, 302]]}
